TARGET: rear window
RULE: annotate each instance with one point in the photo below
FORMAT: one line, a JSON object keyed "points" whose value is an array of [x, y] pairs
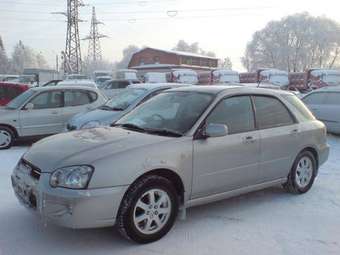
{"points": [[315, 98], [300, 107], [271, 113]]}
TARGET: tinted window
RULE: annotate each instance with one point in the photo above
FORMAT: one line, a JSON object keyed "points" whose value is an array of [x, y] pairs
{"points": [[315, 98], [118, 85], [300, 107], [93, 96], [332, 98], [47, 100], [76, 98], [270, 113], [236, 113]]}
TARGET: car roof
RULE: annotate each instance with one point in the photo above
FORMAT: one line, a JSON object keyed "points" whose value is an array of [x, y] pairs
{"points": [[328, 89], [50, 88], [231, 89], [153, 86]]}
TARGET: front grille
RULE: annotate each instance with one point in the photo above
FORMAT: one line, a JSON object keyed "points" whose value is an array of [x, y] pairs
{"points": [[33, 171]]}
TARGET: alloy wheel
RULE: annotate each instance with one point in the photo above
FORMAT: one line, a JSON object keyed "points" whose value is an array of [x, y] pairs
{"points": [[152, 211]]}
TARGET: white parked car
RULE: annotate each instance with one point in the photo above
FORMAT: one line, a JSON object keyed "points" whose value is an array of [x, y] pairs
{"points": [[43, 111], [325, 104]]}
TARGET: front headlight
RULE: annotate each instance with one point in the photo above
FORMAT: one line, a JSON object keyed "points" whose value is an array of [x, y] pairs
{"points": [[73, 177], [91, 124]]}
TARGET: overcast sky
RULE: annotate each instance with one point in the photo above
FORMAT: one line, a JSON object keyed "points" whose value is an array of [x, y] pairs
{"points": [[221, 26]]}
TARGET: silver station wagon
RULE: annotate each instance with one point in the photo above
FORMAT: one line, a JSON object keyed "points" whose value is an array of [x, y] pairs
{"points": [[44, 111], [184, 147]]}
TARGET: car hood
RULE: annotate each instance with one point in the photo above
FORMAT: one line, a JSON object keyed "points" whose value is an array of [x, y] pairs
{"points": [[4, 111], [87, 146], [104, 117]]}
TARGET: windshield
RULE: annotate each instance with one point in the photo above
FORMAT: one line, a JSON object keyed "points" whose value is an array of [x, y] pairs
{"points": [[20, 100], [124, 99], [172, 111], [332, 79], [279, 79]]}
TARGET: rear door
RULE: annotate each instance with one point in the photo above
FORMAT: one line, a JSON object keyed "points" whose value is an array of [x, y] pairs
{"points": [[46, 117], [279, 134], [77, 101]]}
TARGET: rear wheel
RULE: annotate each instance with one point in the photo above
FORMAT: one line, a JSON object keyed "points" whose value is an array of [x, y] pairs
{"points": [[148, 210], [303, 173], [6, 138]]}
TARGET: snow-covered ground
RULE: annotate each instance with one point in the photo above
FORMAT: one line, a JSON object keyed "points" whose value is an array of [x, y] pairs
{"points": [[266, 222]]}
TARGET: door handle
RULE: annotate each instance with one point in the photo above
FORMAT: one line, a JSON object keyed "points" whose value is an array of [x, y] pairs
{"points": [[294, 131], [54, 112], [248, 140]]}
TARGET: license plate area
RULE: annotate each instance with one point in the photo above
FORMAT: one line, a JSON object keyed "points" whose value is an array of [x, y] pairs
{"points": [[24, 192]]}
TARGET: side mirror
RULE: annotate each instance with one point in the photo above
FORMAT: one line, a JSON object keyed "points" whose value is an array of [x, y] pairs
{"points": [[216, 130], [29, 106]]}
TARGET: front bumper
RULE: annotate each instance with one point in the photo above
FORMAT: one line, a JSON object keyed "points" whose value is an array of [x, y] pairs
{"points": [[65, 207]]}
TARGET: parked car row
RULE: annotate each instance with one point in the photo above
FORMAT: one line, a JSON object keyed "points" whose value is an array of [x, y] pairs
{"points": [[44, 111], [183, 147]]}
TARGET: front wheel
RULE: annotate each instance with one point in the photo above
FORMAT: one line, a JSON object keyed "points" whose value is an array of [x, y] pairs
{"points": [[303, 173], [6, 138], [148, 210]]}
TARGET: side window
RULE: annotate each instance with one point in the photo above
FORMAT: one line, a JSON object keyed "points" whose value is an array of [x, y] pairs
{"points": [[93, 96], [235, 112], [76, 98], [270, 113], [333, 98], [315, 98], [2, 93], [48, 100], [123, 84]]}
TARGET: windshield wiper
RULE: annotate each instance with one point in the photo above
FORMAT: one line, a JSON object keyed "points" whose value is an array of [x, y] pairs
{"points": [[130, 126], [165, 132], [105, 108], [118, 109]]}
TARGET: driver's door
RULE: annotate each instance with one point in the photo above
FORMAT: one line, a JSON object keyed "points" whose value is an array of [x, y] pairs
{"points": [[46, 117], [222, 164]]}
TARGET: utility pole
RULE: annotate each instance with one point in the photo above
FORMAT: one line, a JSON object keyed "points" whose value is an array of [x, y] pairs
{"points": [[94, 50], [72, 55]]}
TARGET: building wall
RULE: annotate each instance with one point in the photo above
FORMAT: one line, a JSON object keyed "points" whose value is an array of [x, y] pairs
{"points": [[151, 56]]}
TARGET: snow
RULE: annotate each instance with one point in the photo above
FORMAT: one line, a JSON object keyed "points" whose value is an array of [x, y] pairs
{"points": [[153, 77], [85, 83], [179, 53], [266, 222], [226, 76]]}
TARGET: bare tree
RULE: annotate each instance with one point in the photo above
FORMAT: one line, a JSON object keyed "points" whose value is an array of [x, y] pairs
{"points": [[225, 63], [4, 62], [127, 54], [193, 48], [295, 43]]}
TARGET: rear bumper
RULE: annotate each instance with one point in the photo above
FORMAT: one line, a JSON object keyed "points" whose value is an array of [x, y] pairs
{"points": [[323, 153], [69, 208]]}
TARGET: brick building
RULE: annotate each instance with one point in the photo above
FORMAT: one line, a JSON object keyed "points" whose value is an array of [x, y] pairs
{"points": [[151, 59]]}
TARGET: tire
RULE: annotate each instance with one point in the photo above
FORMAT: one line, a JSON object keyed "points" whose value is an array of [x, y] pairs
{"points": [[137, 221], [303, 173], [6, 138]]}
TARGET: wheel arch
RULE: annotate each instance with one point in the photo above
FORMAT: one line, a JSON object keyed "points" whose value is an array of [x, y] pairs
{"points": [[13, 129], [171, 175], [315, 154]]}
